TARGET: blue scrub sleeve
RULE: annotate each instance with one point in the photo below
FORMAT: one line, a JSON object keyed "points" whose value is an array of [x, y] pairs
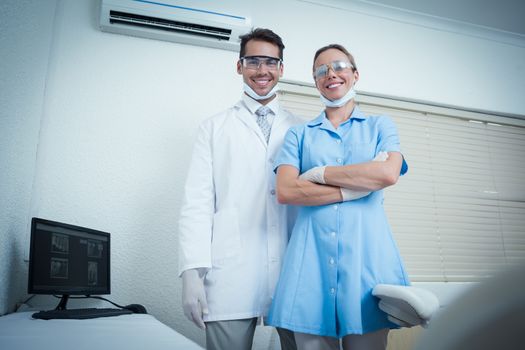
{"points": [[388, 140], [290, 153]]}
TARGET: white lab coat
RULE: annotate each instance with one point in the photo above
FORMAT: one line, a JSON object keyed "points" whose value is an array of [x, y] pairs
{"points": [[230, 221]]}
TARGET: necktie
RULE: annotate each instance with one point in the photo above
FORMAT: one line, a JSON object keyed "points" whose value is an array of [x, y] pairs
{"points": [[261, 113]]}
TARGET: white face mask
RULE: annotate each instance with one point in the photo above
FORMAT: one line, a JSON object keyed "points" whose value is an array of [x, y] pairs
{"points": [[340, 101], [249, 91]]}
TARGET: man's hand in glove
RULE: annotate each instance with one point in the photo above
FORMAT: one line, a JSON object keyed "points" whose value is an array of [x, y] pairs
{"points": [[194, 297]]}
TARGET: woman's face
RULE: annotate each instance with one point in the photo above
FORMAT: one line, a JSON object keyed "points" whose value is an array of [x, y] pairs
{"points": [[334, 85]]}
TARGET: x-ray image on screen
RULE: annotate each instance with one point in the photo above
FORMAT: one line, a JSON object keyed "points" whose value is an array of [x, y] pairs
{"points": [[94, 249], [59, 243], [58, 268], [92, 273]]}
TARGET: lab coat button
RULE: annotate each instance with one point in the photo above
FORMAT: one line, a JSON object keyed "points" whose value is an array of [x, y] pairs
{"points": [[339, 160], [338, 141], [272, 192], [335, 207]]}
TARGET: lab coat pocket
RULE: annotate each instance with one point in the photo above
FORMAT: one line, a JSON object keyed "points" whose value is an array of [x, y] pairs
{"points": [[362, 152], [226, 239]]}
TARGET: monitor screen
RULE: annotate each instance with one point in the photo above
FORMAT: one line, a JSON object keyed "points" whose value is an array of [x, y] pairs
{"points": [[68, 260]]}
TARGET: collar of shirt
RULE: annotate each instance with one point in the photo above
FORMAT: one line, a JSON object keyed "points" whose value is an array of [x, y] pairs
{"points": [[357, 115], [253, 106]]}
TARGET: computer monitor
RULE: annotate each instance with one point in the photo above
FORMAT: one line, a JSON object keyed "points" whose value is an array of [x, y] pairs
{"points": [[68, 260]]}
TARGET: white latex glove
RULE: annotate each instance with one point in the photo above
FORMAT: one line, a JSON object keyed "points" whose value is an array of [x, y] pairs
{"points": [[315, 175], [381, 157], [349, 195], [194, 301]]}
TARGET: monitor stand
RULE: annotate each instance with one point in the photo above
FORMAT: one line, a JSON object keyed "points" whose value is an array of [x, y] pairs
{"points": [[61, 312], [63, 302]]}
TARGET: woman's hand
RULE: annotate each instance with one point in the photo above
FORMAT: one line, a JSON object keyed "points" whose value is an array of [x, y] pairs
{"points": [[293, 190], [369, 176]]}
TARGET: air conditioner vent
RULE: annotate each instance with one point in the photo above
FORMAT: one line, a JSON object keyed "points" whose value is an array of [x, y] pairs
{"points": [[169, 25], [211, 23]]}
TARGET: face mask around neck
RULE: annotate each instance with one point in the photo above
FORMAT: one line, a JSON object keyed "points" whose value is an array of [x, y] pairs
{"points": [[249, 91], [339, 102]]}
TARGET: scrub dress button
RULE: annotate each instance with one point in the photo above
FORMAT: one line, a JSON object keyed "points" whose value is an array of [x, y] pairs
{"points": [[332, 290], [338, 141], [332, 234], [339, 160], [336, 207], [332, 261]]}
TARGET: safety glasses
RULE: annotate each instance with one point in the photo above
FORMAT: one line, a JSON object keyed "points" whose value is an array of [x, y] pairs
{"points": [[255, 62], [336, 66]]}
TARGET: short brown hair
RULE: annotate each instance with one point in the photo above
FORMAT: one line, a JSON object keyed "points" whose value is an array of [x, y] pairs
{"points": [[337, 47], [261, 34]]}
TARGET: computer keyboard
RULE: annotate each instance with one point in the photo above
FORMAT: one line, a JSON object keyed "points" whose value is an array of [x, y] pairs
{"points": [[80, 314]]}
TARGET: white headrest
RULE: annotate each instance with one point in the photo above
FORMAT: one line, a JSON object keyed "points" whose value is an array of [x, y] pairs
{"points": [[421, 300]]}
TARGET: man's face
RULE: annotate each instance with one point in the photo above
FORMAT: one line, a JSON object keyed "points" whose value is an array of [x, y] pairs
{"points": [[264, 78]]}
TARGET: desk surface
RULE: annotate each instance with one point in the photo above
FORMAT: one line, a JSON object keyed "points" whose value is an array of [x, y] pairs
{"points": [[18, 331]]}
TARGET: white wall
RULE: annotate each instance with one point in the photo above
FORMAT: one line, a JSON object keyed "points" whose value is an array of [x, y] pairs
{"points": [[96, 128], [406, 60], [24, 52]]}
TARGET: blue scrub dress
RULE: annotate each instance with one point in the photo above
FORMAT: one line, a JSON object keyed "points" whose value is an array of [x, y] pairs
{"points": [[338, 252]]}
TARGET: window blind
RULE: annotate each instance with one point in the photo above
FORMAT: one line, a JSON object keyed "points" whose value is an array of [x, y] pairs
{"points": [[459, 213]]}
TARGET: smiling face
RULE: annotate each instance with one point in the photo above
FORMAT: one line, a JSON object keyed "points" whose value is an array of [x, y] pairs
{"points": [[263, 79], [335, 84]]}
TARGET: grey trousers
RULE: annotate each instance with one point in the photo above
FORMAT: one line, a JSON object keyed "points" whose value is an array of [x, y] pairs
{"points": [[368, 341], [238, 335]]}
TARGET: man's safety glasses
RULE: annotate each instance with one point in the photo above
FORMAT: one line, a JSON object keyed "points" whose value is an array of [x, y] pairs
{"points": [[254, 62], [336, 66]]}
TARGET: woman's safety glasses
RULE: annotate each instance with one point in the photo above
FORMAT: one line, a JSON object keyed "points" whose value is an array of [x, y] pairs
{"points": [[255, 62], [336, 66]]}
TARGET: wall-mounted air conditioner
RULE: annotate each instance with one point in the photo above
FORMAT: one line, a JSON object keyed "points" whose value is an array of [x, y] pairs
{"points": [[176, 20]]}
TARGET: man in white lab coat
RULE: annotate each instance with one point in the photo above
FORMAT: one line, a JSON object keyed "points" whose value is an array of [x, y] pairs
{"points": [[232, 231]]}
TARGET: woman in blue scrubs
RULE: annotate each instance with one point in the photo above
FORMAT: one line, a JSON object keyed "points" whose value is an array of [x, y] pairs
{"points": [[341, 245]]}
